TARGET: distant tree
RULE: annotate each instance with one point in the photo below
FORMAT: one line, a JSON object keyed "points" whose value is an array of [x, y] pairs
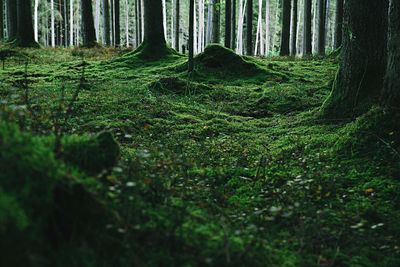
{"points": [[25, 34], [88, 31], [391, 92], [249, 32], [363, 64], [321, 37], [106, 23], [228, 23], [12, 19], [117, 24], [338, 24], [285, 36], [307, 34], [293, 47], [191, 36]]}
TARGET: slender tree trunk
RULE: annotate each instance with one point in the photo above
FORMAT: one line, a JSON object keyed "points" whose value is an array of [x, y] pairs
{"points": [[210, 14], [106, 23], [191, 35], [71, 22], [267, 26], [66, 23], [360, 78], [117, 24], [391, 92], [25, 33], [127, 22], [97, 20], [228, 23], [89, 33], [285, 37], [338, 24], [12, 19], [307, 35], [233, 26], [1, 21], [321, 28], [294, 30], [259, 46], [216, 21], [52, 25], [177, 24], [249, 36]]}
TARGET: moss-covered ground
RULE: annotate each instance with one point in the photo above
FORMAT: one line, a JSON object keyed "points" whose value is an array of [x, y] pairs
{"points": [[230, 166]]}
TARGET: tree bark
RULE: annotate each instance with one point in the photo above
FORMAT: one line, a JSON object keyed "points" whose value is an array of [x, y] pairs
{"points": [[233, 25], [106, 23], [391, 92], [216, 21], [117, 24], [1, 21], [191, 36], [228, 23], [249, 32], [12, 19], [177, 24], [338, 24], [321, 28], [307, 35], [361, 73], [285, 37], [88, 31], [25, 34], [294, 29]]}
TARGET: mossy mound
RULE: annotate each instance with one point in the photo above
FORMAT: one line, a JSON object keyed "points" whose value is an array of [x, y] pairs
{"points": [[149, 53], [216, 57], [176, 85]]}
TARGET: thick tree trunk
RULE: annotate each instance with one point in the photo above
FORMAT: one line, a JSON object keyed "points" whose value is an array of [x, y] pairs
{"points": [[391, 92], [285, 37], [321, 28], [294, 29], [360, 78], [25, 34], [88, 31], [307, 35], [177, 24], [117, 24], [12, 19], [249, 32], [233, 26], [216, 21], [191, 35], [228, 23], [338, 24], [106, 23]]}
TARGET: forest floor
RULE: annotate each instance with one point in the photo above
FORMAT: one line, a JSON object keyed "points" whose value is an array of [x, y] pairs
{"points": [[232, 166]]}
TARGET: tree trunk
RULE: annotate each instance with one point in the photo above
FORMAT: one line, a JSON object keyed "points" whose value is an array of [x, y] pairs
{"points": [[12, 19], [267, 26], [216, 21], [321, 28], [294, 29], [106, 23], [191, 36], [249, 33], [88, 33], [228, 23], [117, 24], [360, 78], [1, 21], [177, 24], [391, 92], [307, 35], [338, 24], [25, 33], [233, 26], [285, 37]]}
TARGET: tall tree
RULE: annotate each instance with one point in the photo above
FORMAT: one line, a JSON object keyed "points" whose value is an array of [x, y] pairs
{"points": [[117, 24], [106, 23], [1, 21], [293, 47], [338, 24], [361, 73], [307, 35], [321, 37], [36, 20], [53, 27], [216, 21], [391, 92], [233, 26], [191, 35], [12, 19], [177, 24], [25, 35], [88, 33], [249, 33], [285, 36]]}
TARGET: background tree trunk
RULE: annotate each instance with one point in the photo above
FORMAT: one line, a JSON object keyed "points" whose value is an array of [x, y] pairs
{"points": [[117, 24], [360, 78], [249, 32], [25, 33], [294, 30], [216, 21], [233, 26], [1, 21], [88, 33], [177, 24], [321, 28], [12, 19], [228, 23], [307, 35], [338, 24], [191, 35], [391, 92], [106, 23], [285, 37]]}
